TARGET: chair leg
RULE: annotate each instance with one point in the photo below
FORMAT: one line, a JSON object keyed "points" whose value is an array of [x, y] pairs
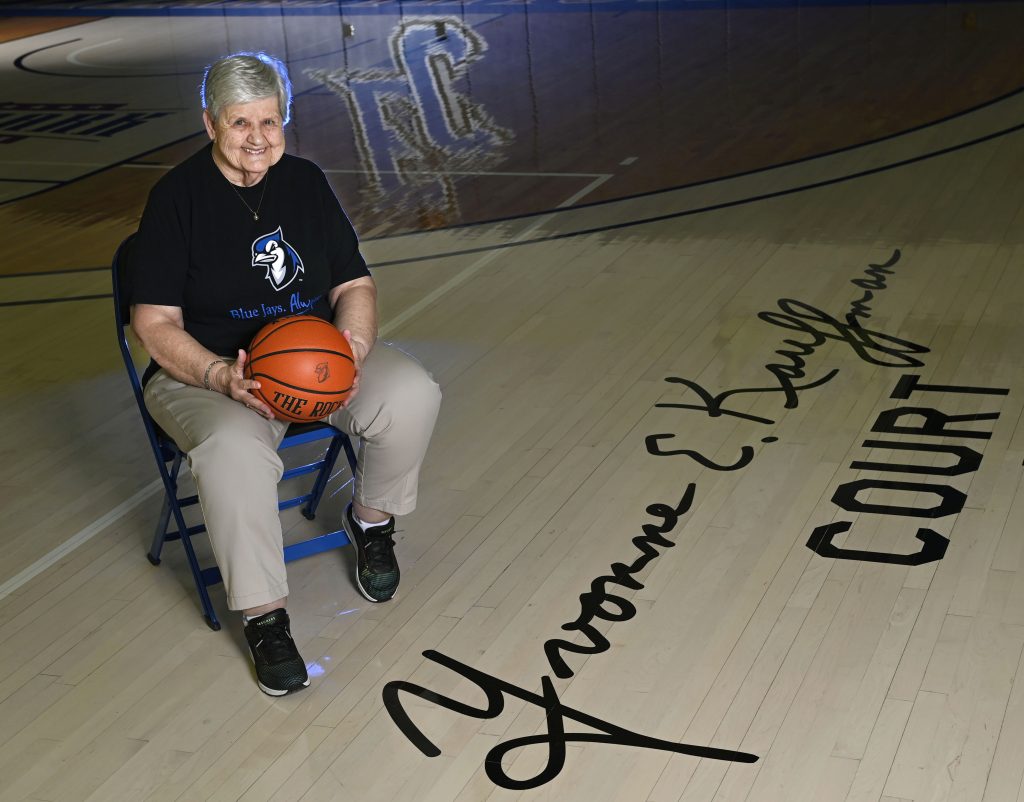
{"points": [[322, 476], [197, 575], [210, 576], [350, 454], [160, 533]]}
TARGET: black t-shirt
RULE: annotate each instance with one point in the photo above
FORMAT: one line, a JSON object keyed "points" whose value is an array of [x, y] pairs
{"points": [[199, 248]]}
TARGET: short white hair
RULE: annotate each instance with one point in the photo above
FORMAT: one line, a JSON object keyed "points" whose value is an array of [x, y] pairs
{"points": [[243, 78]]}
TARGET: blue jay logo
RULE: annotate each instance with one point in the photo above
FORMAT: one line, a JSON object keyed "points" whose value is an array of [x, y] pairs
{"points": [[282, 261]]}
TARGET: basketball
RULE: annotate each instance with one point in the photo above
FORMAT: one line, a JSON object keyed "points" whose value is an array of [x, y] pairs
{"points": [[304, 366]]}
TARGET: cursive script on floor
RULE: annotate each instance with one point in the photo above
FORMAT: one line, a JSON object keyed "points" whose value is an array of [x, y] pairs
{"points": [[594, 603], [601, 602]]}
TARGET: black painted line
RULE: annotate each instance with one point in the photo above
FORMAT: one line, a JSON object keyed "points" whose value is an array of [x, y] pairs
{"points": [[129, 159], [111, 166], [706, 181], [643, 221], [712, 208], [923, 126], [54, 272], [36, 301], [57, 137], [19, 64], [526, 215]]}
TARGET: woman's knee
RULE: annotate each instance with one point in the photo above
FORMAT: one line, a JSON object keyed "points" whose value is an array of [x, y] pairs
{"points": [[398, 393], [237, 452], [418, 389]]}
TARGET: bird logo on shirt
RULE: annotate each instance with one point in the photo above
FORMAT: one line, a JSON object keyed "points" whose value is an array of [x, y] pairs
{"points": [[281, 260]]}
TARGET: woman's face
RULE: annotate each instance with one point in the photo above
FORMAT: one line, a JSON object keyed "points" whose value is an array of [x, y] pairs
{"points": [[248, 139]]}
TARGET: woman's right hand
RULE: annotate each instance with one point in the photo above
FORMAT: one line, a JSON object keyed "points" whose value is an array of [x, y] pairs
{"points": [[230, 380]]}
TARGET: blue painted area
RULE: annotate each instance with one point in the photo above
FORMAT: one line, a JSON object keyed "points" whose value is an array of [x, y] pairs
{"points": [[245, 8]]}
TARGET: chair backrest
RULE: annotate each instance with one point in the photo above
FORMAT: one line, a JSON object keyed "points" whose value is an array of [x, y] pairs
{"points": [[122, 299], [120, 282], [120, 279]]}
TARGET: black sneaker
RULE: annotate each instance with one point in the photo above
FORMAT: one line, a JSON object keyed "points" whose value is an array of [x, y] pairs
{"points": [[377, 571], [279, 668]]}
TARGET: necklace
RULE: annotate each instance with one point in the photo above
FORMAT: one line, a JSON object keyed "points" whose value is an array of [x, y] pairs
{"points": [[254, 212]]}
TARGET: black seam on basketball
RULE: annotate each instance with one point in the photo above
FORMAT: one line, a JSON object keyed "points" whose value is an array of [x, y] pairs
{"points": [[297, 388], [298, 319], [303, 351]]}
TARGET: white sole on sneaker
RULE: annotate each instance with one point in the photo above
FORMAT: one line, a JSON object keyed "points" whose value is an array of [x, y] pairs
{"points": [[272, 692], [275, 691], [368, 597]]}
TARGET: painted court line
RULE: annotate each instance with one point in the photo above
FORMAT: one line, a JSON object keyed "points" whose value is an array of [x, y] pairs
{"points": [[77, 540], [73, 57], [462, 277], [574, 199]]}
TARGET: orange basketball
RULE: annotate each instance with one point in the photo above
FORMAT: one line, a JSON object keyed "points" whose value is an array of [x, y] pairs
{"points": [[304, 366]]}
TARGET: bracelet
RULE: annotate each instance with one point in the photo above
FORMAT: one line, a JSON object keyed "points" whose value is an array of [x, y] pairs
{"points": [[206, 375]]}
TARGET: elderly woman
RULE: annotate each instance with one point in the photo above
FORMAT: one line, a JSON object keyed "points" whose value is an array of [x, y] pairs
{"points": [[201, 288]]}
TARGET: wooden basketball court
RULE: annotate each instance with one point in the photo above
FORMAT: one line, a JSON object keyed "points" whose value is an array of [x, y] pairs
{"points": [[724, 502]]}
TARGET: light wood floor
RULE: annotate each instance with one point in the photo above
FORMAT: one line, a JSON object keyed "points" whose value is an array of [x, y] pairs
{"points": [[849, 679]]}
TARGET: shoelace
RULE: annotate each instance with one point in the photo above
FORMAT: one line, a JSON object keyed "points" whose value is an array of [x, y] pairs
{"points": [[275, 642], [378, 552]]}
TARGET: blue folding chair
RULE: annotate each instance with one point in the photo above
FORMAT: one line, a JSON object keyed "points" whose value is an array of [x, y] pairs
{"points": [[169, 458]]}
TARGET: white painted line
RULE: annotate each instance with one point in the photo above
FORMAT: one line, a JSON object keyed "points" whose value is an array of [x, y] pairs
{"points": [[468, 272], [77, 540], [584, 192], [628, 161], [453, 282], [73, 57]]}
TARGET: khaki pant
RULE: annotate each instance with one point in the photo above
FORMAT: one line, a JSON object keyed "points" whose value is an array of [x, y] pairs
{"points": [[233, 455]]}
